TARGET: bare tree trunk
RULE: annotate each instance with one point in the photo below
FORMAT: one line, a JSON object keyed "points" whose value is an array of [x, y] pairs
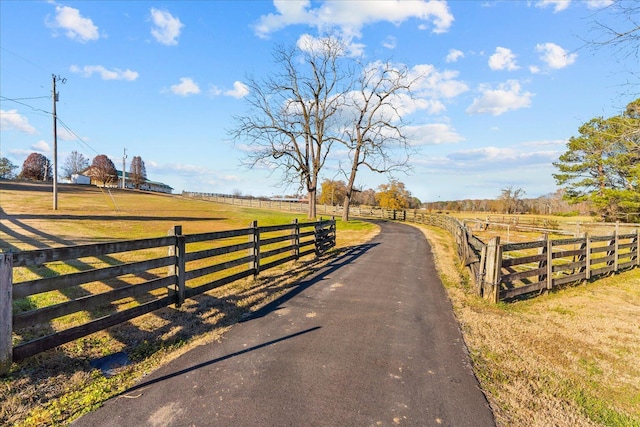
{"points": [[312, 204], [352, 180]]}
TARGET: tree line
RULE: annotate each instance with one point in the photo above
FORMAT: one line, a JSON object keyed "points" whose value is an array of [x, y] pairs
{"points": [[37, 167]]}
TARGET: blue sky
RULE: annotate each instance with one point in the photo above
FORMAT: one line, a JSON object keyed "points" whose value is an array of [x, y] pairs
{"points": [[506, 84]]}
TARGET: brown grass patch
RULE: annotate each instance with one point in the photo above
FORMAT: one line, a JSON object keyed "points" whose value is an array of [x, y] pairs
{"points": [[569, 358]]}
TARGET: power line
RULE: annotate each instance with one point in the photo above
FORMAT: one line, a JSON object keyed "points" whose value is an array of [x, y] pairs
{"points": [[4, 98], [68, 129], [24, 59]]}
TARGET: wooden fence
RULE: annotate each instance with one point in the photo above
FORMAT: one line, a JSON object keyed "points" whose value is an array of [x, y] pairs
{"points": [[134, 277], [507, 271]]}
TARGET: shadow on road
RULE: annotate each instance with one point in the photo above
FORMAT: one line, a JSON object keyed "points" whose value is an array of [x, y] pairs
{"points": [[348, 256], [219, 359]]}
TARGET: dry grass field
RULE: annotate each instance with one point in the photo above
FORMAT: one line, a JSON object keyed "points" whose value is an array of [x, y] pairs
{"points": [[569, 358]]}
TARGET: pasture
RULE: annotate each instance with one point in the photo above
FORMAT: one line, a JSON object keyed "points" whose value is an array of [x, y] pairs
{"points": [[57, 386], [567, 358]]}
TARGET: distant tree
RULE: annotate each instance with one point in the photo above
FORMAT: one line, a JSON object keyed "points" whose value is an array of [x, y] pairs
{"points": [[37, 167], [602, 165], [364, 197], [6, 168], [137, 172], [332, 192], [415, 203], [103, 170], [511, 199], [74, 164], [393, 195]]}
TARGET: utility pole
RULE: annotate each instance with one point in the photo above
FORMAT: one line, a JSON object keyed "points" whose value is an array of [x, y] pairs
{"points": [[124, 157], [55, 140]]}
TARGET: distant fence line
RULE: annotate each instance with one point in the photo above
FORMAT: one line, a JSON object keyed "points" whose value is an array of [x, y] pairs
{"points": [[284, 204], [507, 271], [146, 274], [503, 271]]}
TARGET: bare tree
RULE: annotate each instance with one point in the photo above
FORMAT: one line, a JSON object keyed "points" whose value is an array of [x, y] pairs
{"points": [[293, 112], [374, 133], [74, 164], [511, 199], [617, 27], [137, 172]]}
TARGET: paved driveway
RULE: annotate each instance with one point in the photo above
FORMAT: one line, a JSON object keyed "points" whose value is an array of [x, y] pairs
{"points": [[371, 340]]}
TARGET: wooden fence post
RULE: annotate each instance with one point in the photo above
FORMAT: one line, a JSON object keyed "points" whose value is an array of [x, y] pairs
{"points": [[481, 271], [494, 265], [254, 251], [6, 312], [616, 247], [295, 238], [549, 264], [637, 246], [587, 256], [178, 269]]}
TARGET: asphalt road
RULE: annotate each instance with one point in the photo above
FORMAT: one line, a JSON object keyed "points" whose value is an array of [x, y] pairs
{"points": [[371, 340]]}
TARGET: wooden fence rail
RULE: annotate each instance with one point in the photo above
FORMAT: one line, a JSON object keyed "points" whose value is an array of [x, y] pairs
{"points": [[506, 271], [130, 278]]}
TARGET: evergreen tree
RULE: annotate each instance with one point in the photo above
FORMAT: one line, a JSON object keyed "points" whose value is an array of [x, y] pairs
{"points": [[6, 168], [601, 165]]}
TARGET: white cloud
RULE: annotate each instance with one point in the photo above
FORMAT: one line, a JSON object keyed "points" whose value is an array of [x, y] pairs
{"points": [[75, 26], [240, 90], [509, 158], [534, 69], [454, 55], [166, 28], [558, 5], [598, 4], [503, 59], [507, 96], [309, 43], [436, 84], [41, 147], [350, 17], [12, 120], [390, 42], [555, 56], [186, 87], [432, 134], [115, 74]]}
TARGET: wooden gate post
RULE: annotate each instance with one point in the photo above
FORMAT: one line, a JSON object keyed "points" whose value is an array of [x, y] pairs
{"points": [[6, 312], [493, 269]]}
